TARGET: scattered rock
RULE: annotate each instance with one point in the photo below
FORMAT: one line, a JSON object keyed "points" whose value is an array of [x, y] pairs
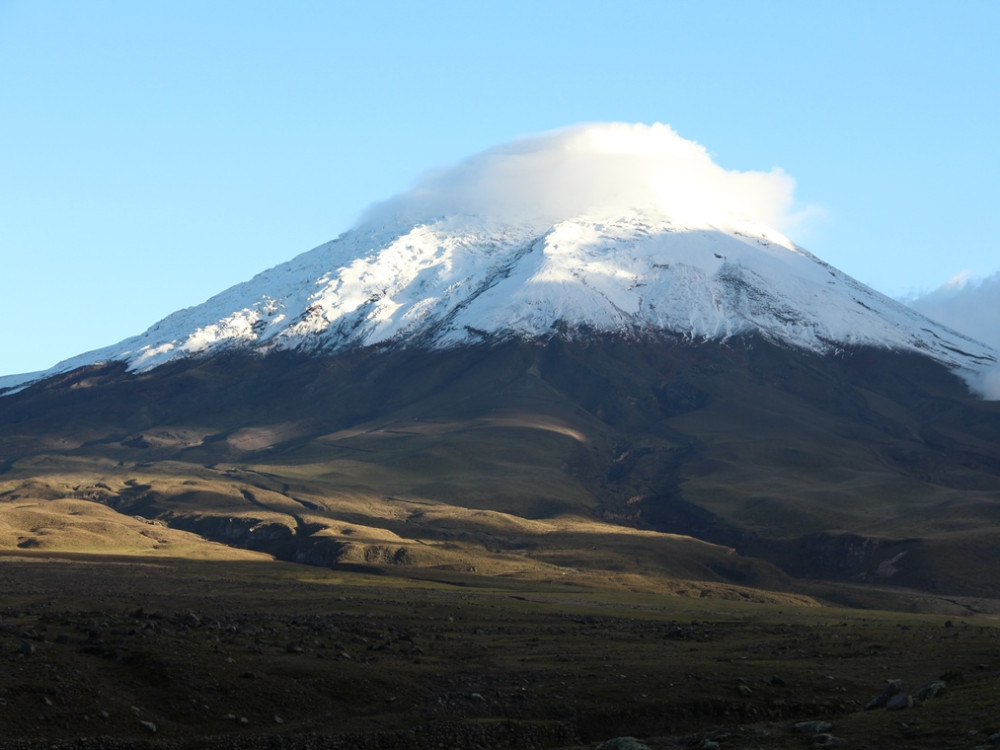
{"points": [[812, 727], [150, 726], [27, 648], [744, 690], [891, 688], [191, 620]]}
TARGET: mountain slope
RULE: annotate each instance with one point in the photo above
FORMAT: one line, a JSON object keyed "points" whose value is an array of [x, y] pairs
{"points": [[587, 455]]}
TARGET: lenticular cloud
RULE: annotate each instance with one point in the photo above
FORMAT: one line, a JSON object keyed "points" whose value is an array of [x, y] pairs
{"points": [[597, 171]]}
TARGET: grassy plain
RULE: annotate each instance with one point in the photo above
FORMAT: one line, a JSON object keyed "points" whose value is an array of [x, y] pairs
{"points": [[141, 651]]}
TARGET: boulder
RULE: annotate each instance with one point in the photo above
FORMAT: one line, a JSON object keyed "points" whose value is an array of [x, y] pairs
{"points": [[930, 690], [899, 701], [892, 687], [622, 743], [825, 739]]}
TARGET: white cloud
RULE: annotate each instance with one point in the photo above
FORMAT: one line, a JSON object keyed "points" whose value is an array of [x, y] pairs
{"points": [[970, 306], [599, 170], [988, 385]]}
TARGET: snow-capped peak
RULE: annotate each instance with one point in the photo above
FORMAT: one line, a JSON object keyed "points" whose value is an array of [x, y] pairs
{"points": [[619, 229]]}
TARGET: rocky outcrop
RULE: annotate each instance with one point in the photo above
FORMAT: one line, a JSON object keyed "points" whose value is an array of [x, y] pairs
{"points": [[248, 532]]}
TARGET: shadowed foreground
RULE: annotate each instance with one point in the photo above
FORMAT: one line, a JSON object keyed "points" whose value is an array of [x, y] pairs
{"points": [[155, 652]]}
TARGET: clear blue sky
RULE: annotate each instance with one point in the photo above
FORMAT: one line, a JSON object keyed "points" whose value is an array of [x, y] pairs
{"points": [[155, 152]]}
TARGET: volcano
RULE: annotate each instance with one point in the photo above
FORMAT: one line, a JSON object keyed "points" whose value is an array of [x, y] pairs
{"points": [[582, 354]]}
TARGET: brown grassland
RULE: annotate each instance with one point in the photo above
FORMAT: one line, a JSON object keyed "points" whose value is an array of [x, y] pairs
{"points": [[236, 650]]}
